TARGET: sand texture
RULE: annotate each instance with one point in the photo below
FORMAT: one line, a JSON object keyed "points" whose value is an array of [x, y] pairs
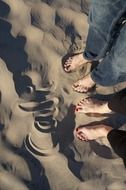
{"points": [[35, 35]]}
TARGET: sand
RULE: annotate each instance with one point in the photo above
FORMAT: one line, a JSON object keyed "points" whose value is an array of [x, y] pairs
{"points": [[34, 37]]}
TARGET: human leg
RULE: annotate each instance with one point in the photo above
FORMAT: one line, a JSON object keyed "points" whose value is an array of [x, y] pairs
{"points": [[103, 16], [118, 102], [116, 138], [92, 105], [112, 68], [102, 27], [104, 20]]}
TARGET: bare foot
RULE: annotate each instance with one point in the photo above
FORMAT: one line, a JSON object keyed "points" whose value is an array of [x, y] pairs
{"points": [[74, 61], [92, 132], [92, 105], [84, 84]]}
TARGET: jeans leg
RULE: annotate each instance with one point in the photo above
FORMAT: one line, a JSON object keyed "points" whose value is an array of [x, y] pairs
{"points": [[118, 102], [103, 17], [112, 68]]}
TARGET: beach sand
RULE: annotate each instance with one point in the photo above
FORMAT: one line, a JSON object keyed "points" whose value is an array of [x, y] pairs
{"points": [[35, 35]]}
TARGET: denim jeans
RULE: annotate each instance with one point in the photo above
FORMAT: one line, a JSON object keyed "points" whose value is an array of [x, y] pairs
{"points": [[106, 40]]}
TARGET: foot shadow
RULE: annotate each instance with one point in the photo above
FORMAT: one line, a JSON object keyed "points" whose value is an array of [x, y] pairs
{"points": [[65, 128], [65, 137]]}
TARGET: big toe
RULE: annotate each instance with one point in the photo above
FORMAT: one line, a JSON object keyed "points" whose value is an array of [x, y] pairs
{"points": [[80, 135], [67, 68]]}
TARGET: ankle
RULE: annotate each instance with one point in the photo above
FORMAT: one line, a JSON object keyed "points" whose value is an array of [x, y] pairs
{"points": [[90, 79]]}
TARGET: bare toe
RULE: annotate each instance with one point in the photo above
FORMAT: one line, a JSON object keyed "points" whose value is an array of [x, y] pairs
{"points": [[79, 88], [67, 68], [92, 105], [74, 61], [80, 135], [84, 85]]}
